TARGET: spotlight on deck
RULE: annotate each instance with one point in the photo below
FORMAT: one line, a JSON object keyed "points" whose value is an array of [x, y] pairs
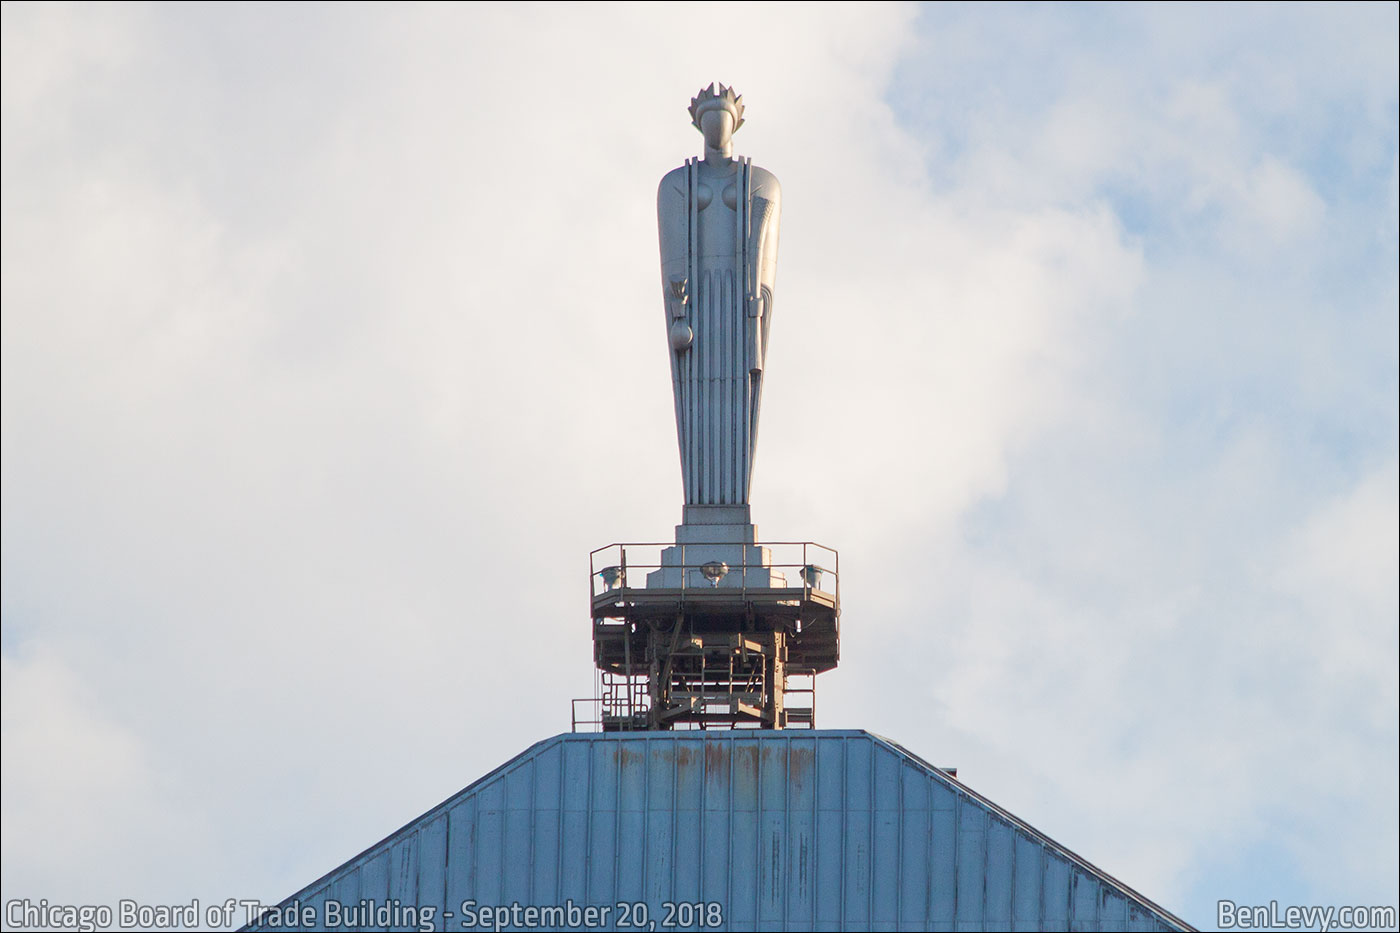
{"points": [[714, 570]]}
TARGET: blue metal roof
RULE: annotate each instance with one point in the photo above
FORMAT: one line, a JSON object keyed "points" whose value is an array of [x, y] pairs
{"points": [[838, 830]]}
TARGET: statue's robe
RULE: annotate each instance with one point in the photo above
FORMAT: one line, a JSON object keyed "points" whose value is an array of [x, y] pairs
{"points": [[719, 250]]}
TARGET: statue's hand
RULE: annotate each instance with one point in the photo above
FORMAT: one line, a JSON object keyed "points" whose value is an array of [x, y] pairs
{"points": [[678, 295], [678, 298]]}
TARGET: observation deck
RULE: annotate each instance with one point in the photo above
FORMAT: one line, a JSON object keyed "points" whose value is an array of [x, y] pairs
{"points": [[718, 635]]}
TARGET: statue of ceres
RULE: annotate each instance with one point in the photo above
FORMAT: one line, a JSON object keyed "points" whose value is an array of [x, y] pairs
{"points": [[719, 250]]}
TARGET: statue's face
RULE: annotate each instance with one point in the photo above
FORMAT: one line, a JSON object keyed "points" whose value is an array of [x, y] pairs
{"points": [[718, 126]]}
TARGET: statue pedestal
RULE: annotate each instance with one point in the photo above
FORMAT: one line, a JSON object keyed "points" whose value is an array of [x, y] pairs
{"points": [[713, 535]]}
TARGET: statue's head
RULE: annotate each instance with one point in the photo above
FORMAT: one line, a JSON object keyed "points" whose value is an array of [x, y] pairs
{"points": [[717, 114]]}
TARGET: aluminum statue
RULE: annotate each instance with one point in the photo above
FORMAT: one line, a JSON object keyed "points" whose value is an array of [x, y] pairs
{"points": [[718, 217]]}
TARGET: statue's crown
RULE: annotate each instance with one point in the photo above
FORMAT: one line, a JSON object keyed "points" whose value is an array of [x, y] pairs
{"points": [[709, 99]]}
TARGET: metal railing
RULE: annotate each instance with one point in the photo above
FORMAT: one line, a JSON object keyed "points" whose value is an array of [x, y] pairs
{"points": [[813, 567], [622, 703], [618, 700], [800, 699]]}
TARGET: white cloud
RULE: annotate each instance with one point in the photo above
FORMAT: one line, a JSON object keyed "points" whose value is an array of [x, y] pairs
{"points": [[1341, 565], [78, 785]]}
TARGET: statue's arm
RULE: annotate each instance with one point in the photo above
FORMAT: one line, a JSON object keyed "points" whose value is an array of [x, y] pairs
{"points": [[763, 247], [673, 222]]}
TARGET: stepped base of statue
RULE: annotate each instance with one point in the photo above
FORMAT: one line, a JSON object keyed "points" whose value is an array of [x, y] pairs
{"points": [[712, 592], [715, 550]]}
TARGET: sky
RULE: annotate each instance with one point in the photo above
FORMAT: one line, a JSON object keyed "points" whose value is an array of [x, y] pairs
{"points": [[333, 342]]}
